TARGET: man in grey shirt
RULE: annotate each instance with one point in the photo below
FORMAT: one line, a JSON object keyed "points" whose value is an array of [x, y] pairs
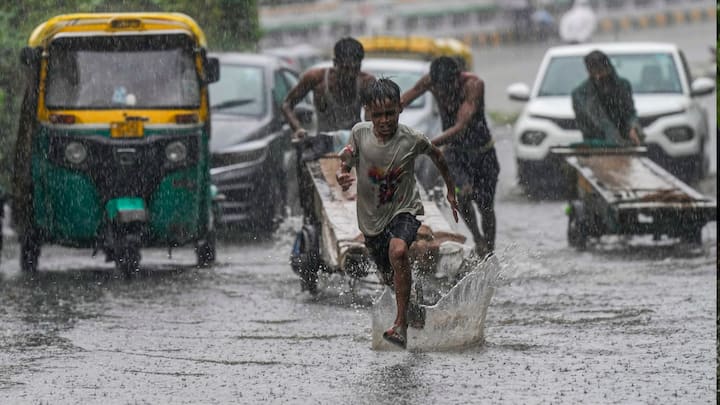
{"points": [[383, 153]]}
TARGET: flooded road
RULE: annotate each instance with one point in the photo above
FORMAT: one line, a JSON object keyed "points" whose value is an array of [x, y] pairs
{"points": [[627, 321]]}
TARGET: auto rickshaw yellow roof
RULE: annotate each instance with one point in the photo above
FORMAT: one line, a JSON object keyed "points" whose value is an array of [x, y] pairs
{"points": [[115, 22], [426, 47]]}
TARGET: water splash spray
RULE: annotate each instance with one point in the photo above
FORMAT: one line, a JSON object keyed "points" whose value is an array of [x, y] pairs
{"points": [[457, 318]]}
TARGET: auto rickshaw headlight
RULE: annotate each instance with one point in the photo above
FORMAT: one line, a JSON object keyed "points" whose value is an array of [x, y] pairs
{"points": [[75, 153], [176, 152]]}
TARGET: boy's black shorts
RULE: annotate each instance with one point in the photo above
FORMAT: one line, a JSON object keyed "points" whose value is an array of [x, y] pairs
{"points": [[403, 226]]}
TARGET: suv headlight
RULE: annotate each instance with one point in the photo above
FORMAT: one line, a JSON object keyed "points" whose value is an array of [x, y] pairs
{"points": [[679, 134], [533, 138], [75, 153], [176, 152]]}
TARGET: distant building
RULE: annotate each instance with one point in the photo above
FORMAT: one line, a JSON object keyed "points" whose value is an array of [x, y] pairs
{"points": [[322, 22]]}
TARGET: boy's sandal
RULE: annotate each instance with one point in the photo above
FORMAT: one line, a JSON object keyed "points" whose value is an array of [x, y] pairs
{"points": [[396, 335]]}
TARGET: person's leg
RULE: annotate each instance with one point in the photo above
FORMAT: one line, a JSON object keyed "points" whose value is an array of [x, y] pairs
{"points": [[403, 278], [403, 231], [461, 167], [467, 212], [485, 186], [488, 225], [378, 249]]}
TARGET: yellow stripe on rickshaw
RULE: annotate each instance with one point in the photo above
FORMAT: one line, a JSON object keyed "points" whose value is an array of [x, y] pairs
{"points": [[106, 116]]}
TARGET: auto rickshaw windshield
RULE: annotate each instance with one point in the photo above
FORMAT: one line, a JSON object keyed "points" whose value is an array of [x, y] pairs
{"points": [[133, 71]]}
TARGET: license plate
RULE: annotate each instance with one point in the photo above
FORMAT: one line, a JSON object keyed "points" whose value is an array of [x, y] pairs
{"points": [[127, 129]]}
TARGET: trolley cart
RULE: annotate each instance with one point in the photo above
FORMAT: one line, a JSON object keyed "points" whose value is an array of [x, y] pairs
{"points": [[621, 191]]}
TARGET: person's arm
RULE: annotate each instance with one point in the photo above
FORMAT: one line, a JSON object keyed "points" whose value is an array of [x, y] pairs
{"points": [[582, 119], [307, 82], [474, 92], [439, 160], [366, 80], [347, 156], [632, 120], [422, 85]]}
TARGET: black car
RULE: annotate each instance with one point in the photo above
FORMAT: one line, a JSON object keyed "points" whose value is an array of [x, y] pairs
{"points": [[250, 142]]}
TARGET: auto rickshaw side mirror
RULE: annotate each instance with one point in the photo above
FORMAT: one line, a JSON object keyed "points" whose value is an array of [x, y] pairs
{"points": [[30, 56], [212, 70]]}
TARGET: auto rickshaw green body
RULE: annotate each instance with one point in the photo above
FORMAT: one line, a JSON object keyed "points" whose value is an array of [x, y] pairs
{"points": [[115, 169]]}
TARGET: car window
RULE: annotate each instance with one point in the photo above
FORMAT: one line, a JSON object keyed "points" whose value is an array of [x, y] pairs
{"points": [[281, 88], [563, 74], [686, 67], [292, 79], [405, 80], [647, 73], [240, 90]]}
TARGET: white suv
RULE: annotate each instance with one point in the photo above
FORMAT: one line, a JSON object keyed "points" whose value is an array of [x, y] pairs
{"points": [[675, 125]]}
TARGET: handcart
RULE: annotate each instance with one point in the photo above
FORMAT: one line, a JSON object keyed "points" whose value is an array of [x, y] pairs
{"points": [[621, 191]]}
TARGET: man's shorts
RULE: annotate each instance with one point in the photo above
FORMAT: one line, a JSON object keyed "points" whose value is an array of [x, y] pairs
{"points": [[403, 226], [480, 171]]}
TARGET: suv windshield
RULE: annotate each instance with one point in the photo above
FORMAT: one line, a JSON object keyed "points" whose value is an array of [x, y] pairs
{"points": [[647, 73], [240, 91], [405, 80], [131, 71]]}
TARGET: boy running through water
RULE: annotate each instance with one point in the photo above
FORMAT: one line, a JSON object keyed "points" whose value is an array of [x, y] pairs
{"points": [[383, 153]]}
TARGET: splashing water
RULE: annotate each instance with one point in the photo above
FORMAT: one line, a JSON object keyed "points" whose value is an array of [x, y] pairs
{"points": [[456, 320]]}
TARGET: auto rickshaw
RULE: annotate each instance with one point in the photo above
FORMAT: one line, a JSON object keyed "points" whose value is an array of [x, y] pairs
{"points": [[112, 149]]}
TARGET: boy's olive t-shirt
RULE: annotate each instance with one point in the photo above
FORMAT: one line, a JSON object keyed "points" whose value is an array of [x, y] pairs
{"points": [[385, 175]]}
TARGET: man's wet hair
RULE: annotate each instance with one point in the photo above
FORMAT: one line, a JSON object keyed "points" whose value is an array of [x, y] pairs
{"points": [[380, 90], [597, 60], [349, 49], [443, 68]]}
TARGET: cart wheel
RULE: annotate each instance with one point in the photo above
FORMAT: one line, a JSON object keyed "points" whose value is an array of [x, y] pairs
{"points": [[127, 260], [692, 236], [29, 253], [577, 234], [305, 258], [205, 250]]}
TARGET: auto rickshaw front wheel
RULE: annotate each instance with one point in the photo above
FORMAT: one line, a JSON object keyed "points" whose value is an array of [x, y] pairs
{"points": [[205, 250], [29, 253], [127, 260]]}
